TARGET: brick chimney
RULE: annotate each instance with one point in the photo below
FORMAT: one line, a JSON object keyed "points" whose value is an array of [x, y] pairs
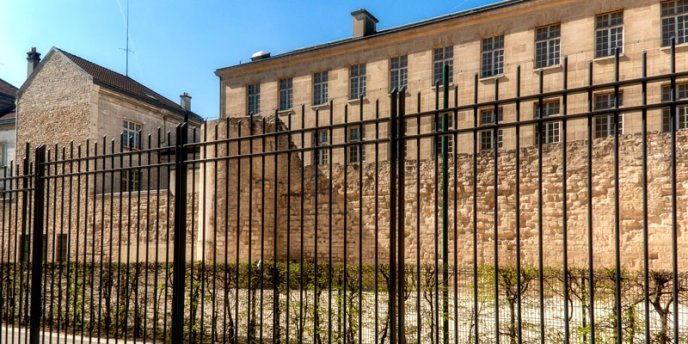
{"points": [[185, 101], [34, 58], [364, 23]]}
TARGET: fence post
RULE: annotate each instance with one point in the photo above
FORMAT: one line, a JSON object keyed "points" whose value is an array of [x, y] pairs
{"points": [[392, 132], [177, 331], [37, 257], [401, 214]]}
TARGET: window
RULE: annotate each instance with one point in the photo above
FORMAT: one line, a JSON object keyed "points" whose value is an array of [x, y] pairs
{"points": [[131, 135], [674, 22], [604, 124], [681, 110], [62, 248], [285, 94], [550, 131], [442, 57], [321, 155], [437, 126], [253, 100], [398, 68], [608, 33], [487, 117], [356, 152], [547, 46], [320, 88], [25, 243], [131, 180], [357, 81], [492, 56]]}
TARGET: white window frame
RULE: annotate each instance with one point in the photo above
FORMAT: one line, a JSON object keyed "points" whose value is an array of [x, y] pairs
{"points": [[321, 139], [674, 16], [486, 137], [550, 131], [357, 81], [606, 121], [252, 99], [131, 134], [437, 126], [286, 92], [492, 56], [398, 72], [442, 57], [130, 180], [548, 46], [356, 152], [609, 33], [320, 80], [681, 110]]}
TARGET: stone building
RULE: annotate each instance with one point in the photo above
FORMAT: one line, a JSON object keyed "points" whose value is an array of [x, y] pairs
{"points": [[345, 80], [8, 117]]}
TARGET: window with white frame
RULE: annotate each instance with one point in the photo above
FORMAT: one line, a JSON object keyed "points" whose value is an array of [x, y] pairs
{"points": [[442, 57], [130, 180], [321, 139], [681, 110], [487, 139], [609, 33], [131, 135], [356, 152], [674, 21], [550, 131], [253, 99], [320, 88], [604, 124], [492, 56], [357, 81], [437, 127], [398, 72], [547, 46], [285, 94]]}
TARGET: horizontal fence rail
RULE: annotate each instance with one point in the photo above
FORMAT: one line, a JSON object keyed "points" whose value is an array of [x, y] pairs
{"points": [[494, 216]]}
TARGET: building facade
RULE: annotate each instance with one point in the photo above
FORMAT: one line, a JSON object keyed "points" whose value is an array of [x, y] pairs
{"points": [[488, 44], [8, 117]]}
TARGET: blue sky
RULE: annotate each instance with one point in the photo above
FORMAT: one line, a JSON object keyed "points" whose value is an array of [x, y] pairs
{"points": [[178, 44]]}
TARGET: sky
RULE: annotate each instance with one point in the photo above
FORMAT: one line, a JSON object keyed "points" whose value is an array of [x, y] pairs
{"points": [[176, 45]]}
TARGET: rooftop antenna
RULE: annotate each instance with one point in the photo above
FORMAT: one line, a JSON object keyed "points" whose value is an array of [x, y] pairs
{"points": [[126, 50]]}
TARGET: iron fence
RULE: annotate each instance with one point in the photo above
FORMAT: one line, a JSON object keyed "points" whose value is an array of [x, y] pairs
{"points": [[469, 223]]}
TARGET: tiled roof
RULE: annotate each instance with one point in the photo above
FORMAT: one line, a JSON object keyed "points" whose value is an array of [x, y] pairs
{"points": [[7, 88], [124, 84]]}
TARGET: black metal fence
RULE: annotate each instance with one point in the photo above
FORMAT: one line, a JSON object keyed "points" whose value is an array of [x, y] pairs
{"points": [[375, 226]]}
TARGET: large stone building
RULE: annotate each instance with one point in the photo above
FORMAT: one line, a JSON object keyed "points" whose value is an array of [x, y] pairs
{"points": [[483, 47], [8, 117]]}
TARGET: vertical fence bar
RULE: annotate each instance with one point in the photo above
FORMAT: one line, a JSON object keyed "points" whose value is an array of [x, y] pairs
{"points": [[476, 314], [617, 213], [564, 219], [517, 209], [445, 209], [646, 261], [591, 248], [179, 237], [391, 131], [541, 284], [37, 256], [495, 200], [674, 204], [401, 214]]}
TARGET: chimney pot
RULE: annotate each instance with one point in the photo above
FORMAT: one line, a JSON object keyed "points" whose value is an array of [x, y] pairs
{"points": [[364, 23], [185, 101], [33, 58]]}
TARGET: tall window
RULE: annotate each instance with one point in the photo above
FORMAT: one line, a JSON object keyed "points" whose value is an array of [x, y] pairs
{"points": [[604, 124], [62, 247], [253, 100], [356, 152], [547, 46], [674, 21], [131, 135], [398, 72], [609, 33], [550, 131], [130, 180], [442, 57], [437, 126], [357, 81], [320, 88], [25, 247], [681, 110], [492, 56], [321, 140], [487, 138], [285, 94]]}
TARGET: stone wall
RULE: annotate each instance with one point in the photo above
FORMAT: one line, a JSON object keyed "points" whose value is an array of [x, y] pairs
{"points": [[358, 220]]}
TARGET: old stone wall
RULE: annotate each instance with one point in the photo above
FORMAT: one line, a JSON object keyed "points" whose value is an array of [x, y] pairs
{"points": [[331, 216]]}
